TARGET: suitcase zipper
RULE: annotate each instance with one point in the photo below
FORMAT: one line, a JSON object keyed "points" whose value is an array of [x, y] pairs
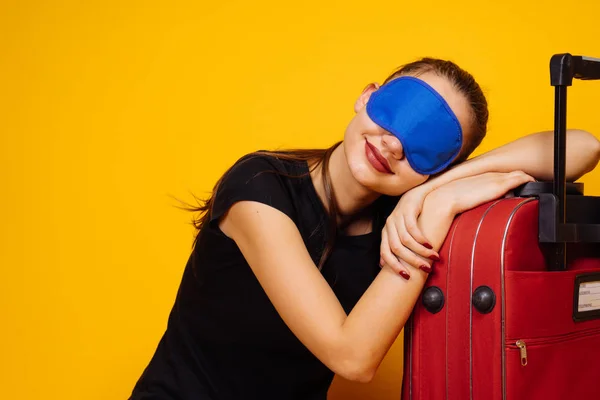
{"points": [[523, 348], [522, 344]]}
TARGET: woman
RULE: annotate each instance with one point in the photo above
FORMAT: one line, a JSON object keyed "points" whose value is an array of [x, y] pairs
{"points": [[284, 287]]}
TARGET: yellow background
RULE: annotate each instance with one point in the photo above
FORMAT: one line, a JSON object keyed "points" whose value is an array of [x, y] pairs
{"points": [[109, 108]]}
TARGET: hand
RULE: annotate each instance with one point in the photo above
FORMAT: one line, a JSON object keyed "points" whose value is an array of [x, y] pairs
{"points": [[402, 241], [467, 193], [456, 196]]}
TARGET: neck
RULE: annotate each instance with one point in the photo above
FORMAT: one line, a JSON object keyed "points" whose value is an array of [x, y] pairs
{"points": [[352, 197]]}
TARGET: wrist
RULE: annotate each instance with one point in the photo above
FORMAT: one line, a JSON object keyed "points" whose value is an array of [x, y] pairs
{"points": [[427, 187], [440, 203], [474, 166], [436, 218]]}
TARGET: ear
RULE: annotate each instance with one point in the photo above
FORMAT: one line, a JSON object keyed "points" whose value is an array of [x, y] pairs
{"points": [[364, 96]]}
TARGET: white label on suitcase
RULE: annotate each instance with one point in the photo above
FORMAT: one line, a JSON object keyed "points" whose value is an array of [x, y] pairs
{"points": [[589, 296]]}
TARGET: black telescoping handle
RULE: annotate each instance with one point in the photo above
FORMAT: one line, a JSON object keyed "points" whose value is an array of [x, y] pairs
{"points": [[563, 68]]}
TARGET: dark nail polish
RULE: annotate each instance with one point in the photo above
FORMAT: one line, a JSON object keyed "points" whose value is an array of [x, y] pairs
{"points": [[434, 257], [405, 275], [425, 268], [428, 246]]}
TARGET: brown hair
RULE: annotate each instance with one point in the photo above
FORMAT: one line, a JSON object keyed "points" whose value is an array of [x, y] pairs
{"points": [[462, 81]]}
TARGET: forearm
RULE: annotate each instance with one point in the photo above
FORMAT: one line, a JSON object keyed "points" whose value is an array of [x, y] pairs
{"points": [[532, 154], [379, 316], [352, 346]]}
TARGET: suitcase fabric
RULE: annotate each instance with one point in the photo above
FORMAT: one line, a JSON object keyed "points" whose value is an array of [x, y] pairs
{"points": [[460, 353], [505, 315]]}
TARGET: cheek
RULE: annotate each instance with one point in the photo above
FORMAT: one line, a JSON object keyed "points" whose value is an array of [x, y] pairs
{"points": [[413, 178], [359, 171], [357, 160], [353, 143]]}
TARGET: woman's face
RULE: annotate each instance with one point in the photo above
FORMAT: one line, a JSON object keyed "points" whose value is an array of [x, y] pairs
{"points": [[368, 147]]}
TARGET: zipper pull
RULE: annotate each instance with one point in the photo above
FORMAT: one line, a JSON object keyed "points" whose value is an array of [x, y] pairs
{"points": [[523, 348]]}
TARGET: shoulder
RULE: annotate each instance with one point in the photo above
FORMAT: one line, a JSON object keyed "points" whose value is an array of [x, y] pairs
{"points": [[260, 177], [260, 171], [258, 162]]}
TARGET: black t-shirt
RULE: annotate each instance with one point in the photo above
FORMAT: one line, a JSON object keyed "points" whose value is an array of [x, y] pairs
{"points": [[224, 338]]}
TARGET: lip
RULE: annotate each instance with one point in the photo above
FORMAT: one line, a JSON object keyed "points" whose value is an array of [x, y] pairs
{"points": [[377, 160]]}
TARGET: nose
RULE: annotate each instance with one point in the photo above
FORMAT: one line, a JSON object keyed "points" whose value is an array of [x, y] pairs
{"points": [[392, 144]]}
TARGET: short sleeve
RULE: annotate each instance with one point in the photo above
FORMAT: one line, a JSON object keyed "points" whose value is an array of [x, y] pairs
{"points": [[254, 178]]}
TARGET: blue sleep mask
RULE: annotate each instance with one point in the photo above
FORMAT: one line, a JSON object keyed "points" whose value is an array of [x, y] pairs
{"points": [[421, 119]]}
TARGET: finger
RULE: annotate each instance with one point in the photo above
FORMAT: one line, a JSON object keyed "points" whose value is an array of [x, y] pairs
{"points": [[519, 174], [502, 183], [403, 271], [406, 272], [399, 237], [412, 238], [410, 221], [518, 178], [409, 258], [389, 259], [525, 177], [403, 253]]}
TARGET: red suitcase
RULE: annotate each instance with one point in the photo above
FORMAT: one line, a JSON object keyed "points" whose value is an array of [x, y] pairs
{"points": [[513, 309]]}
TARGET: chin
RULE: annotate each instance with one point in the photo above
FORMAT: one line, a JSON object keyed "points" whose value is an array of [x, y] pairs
{"points": [[392, 185], [372, 181]]}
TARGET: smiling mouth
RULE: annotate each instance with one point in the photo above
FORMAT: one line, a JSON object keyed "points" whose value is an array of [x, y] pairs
{"points": [[376, 159]]}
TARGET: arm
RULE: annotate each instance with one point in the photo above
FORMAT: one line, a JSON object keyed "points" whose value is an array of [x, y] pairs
{"points": [[532, 154], [352, 346]]}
